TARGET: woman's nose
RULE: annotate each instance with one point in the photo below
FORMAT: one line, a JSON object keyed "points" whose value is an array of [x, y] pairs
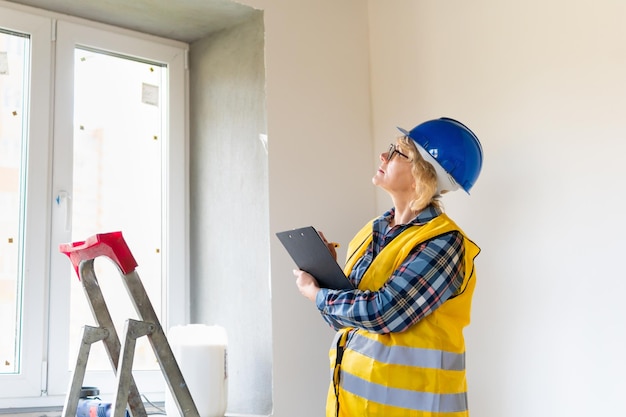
{"points": [[383, 156]]}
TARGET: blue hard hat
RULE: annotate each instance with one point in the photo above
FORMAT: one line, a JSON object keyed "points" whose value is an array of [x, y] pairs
{"points": [[452, 148]]}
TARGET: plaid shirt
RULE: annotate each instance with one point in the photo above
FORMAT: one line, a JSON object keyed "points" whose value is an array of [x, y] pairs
{"points": [[432, 273]]}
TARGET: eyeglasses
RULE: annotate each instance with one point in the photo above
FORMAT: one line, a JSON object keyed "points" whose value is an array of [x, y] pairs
{"points": [[393, 150]]}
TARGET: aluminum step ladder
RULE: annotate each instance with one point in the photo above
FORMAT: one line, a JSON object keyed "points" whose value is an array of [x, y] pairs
{"points": [[113, 246]]}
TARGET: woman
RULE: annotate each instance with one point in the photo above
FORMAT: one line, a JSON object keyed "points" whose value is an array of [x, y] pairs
{"points": [[399, 348]]}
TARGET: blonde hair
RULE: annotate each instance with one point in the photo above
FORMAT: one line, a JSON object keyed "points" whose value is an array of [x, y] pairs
{"points": [[425, 177]]}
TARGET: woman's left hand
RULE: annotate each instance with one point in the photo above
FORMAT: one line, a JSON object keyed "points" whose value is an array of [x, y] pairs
{"points": [[307, 285]]}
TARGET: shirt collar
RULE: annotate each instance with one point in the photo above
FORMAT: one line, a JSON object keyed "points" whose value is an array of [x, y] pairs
{"points": [[423, 217]]}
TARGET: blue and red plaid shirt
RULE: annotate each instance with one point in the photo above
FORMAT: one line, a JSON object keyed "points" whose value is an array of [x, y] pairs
{"points": [[431, 274]]}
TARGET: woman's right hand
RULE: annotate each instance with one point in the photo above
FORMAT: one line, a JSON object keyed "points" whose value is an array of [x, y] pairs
{"points": [[332, 246]]}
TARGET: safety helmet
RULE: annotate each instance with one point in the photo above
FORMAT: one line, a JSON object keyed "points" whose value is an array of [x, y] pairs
{"points": [[452, 149]]}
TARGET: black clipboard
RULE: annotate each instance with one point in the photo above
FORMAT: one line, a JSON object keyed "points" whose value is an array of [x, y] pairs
{"points": [[309, 252]]}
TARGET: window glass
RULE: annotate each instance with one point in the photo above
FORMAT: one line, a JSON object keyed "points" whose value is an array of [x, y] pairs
{"points": [[118, 118], [13, 104]]}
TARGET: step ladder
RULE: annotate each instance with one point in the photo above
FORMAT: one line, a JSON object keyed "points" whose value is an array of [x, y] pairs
{"points": [[113, 246]]}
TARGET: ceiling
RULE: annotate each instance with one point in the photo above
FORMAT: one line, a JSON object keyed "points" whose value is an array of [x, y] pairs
{"points": [[183, 20]]}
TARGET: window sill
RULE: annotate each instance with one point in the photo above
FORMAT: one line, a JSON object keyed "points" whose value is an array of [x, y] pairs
{"points": [[58, 412], [32, 412]]}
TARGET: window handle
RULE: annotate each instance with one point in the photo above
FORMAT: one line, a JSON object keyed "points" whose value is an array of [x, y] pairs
{"points": [[63, 197]]}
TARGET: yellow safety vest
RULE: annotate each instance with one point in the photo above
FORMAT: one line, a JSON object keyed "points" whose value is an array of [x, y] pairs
{"points": [[416, 373]]}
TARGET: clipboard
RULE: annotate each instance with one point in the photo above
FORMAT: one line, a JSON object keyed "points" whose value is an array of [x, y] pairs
{"points": [[309, 252]]}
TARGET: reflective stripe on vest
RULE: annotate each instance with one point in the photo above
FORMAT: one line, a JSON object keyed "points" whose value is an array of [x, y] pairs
{"points": [[407, 399], [405, 355]]}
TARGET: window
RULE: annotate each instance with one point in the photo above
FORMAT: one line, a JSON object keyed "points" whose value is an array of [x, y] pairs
{"points": [[24, 68], [114, 160]]}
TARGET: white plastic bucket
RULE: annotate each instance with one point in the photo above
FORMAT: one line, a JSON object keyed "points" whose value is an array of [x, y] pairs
{"points": [[201, 353]]}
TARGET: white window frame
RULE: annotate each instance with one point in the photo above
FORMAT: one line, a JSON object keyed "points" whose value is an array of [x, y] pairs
{"points": [[47, 287], [29, 381]]}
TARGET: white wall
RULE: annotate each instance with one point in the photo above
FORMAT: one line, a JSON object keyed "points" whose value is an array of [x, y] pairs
{"points": [[320, 147], [543, 84], [229, 234]]}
